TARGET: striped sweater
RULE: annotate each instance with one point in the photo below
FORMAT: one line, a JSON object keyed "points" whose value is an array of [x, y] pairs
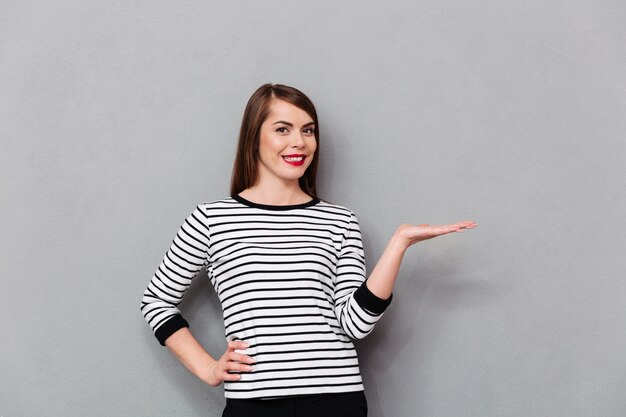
{"points": [[291, 282]]}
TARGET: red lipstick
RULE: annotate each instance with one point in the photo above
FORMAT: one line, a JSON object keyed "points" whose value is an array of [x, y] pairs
{"points": [[295, 160]]}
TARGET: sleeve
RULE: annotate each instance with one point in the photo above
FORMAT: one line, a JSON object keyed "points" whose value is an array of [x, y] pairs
{"points": [[187, 254], [356, 307]]}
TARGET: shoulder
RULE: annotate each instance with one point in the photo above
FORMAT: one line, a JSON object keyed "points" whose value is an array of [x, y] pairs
{"points": [[203, 212], [336, 210], [224, 203]]}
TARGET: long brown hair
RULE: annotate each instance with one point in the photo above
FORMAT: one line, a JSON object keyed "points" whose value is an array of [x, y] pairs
{"points": [[245, 168]]}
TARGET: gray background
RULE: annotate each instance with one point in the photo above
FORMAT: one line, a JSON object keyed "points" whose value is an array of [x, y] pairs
{"points": [[118, 117]]}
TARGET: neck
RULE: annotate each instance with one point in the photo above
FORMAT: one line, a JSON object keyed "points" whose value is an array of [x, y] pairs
{"points": [[276, 193]]}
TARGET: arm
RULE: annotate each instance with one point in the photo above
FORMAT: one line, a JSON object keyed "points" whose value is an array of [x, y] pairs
{"points": [[357, 309], [383, 277], [187, 349], [186, 256]]}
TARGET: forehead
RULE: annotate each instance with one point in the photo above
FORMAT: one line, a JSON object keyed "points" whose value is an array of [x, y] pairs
{"points": [[282, 110]]}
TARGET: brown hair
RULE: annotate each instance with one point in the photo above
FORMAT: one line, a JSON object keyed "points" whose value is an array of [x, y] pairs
{"points": [[245, 168]]}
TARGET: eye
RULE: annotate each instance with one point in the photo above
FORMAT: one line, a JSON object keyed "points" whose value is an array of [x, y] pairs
{"points": [[309, 131], [282, 130]]}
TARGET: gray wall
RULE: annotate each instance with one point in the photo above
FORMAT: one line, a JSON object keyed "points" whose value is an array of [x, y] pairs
{"points": [[118, 117]]}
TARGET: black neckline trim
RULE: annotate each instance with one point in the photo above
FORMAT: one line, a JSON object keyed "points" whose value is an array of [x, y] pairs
{"points": [[249, 203]]}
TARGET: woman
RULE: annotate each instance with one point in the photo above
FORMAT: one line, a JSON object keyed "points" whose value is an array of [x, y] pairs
{"points": [[288, 269]]}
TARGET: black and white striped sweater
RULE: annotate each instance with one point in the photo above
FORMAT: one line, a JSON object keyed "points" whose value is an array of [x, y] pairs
{"points": [[291, 283]]}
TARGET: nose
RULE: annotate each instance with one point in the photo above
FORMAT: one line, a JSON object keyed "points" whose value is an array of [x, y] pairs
{"points": [[297, 141]]}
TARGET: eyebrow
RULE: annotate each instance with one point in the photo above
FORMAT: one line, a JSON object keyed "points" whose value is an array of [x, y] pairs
{"points": [[291, 124]]}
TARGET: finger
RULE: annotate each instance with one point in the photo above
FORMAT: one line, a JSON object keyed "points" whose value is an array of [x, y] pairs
{"points": [[240, 357], [466, 226], [241, 367], [230, 377], [450, 228], [237, 345], [468, 223], [463, 225], [446, 229]]}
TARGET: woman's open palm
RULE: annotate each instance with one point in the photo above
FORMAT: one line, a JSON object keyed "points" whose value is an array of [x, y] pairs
{"points": [[411, 234]]}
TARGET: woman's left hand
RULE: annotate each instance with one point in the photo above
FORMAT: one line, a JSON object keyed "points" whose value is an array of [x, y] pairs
{"points": [[410, 234]]}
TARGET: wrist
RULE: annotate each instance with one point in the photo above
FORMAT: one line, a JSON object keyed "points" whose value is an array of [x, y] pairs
{"points": [[205, 368], [398, 243], [207, 372]]}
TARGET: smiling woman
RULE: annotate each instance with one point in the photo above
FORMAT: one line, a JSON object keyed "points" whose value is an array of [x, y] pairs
{"points": [[287, 145], [288, 269], [282, 120]]}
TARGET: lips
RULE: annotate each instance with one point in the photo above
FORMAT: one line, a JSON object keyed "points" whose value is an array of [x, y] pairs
{"points": [[295, 159]]}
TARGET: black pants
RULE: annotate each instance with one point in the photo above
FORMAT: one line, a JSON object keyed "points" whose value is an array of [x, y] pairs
{"points": [[349, 404]]}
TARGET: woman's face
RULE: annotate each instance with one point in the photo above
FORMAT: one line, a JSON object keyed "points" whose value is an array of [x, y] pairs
{"points": [[286, 143]]}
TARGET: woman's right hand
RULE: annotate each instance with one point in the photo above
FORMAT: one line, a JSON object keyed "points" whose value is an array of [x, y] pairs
{"points": [[218, 370]]}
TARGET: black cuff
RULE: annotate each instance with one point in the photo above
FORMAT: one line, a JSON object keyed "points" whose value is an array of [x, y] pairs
{"points": [[173, 324], [370, 302]]}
